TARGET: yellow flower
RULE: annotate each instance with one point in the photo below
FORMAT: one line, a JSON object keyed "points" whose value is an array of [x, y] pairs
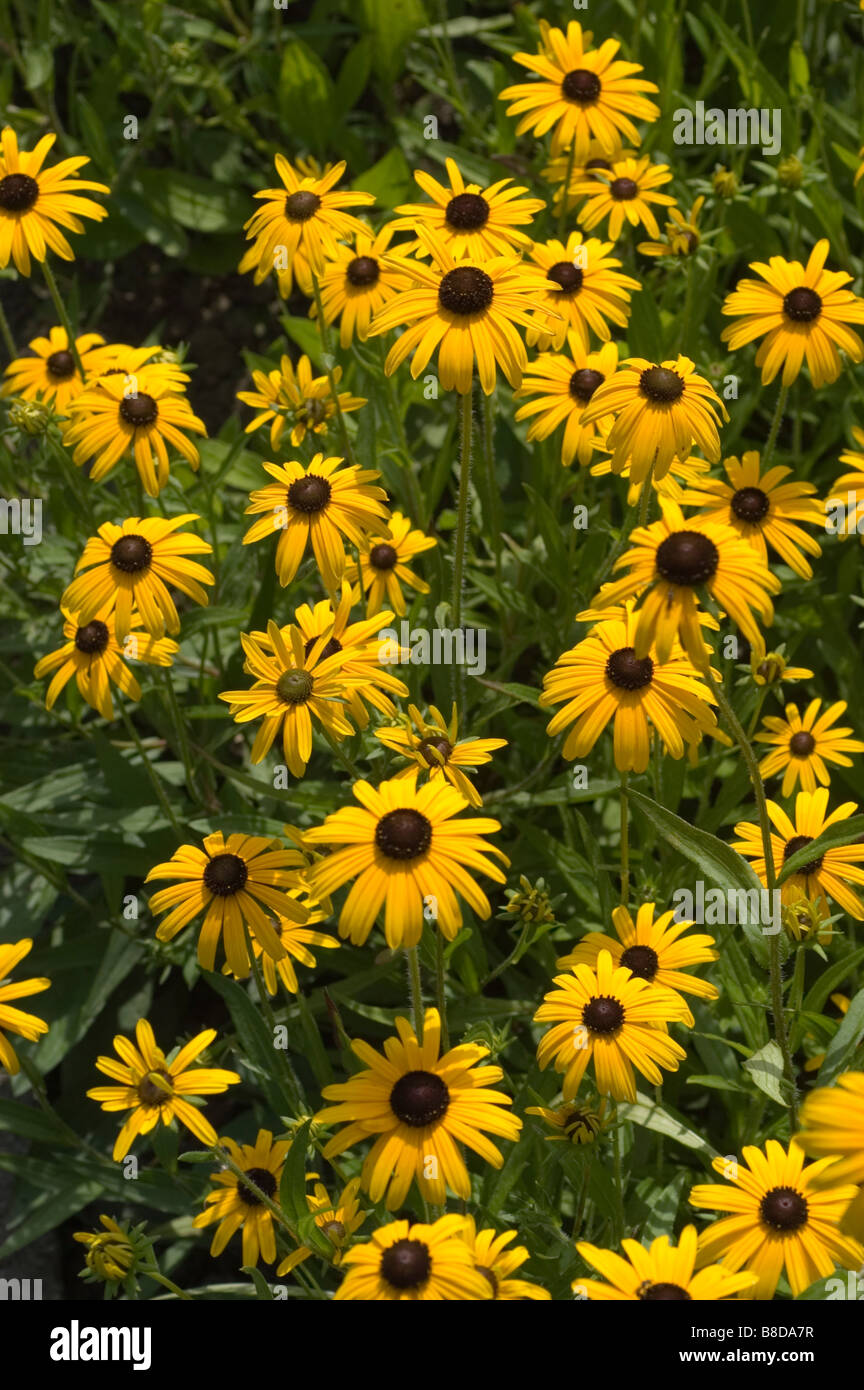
{"points": [[498, 1264], [384, 566], [110, 1252], [337, 1220], [584, 292], [300, 225], [624, 193], [847, 493], [801, 312], [435, 749], [316, 505], [563, 385], [358, 281], [296, 940], [682, 234], [36, 202], [236, 1207], [832, 1126], [94, 656], [581, 93], [828, 876], [472, 222], [284, 396], [804, 745], [51, 374], [155, 1089], [15, 1020], [771, 669], [576, 1124], [407, 1262], [556, 170], [661, 1272], [421, 1106]]}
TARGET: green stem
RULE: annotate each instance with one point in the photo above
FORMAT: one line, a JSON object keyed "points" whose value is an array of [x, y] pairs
{"points": [[461, 537], [625, 842], [413, 954], [328, 367], [492, 479], [151, 773], [440, 988], [6, 334], [182, 740], [415, 501], [338, 752], [618, 1225], [775, 427], [291, 1089], [64, 317], [168, 1284]]}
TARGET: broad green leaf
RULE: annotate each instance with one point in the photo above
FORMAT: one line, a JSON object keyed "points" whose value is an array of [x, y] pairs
{"points": [[650, 1115], [305, 95], [766, 1069], [844, 833], [841, 1049]]}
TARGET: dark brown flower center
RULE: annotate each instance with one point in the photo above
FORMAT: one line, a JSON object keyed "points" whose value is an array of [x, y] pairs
{"points": [[661, 385], [584, 382], [465, 290], [383, 556], [802, 305], [687, 558], [299, 207], [628, 671], [419, 1098], [603, 1014], [582, 86], [406, 1264], [311, 493], [139, 410], [750, 504], [329, 649], [225, 874], [334, 1231], [362, 271], [263, 1178], [653, 1292], [92, 638], [294, 687], [624, 190], [18, 192], [403, 834], [131, 554], [784, 1208], [60, 365], [597, 164], [467, 212], [792, 846], [151, 1093], [641, 961], [430, 746], [566, 275], [801, 745]]}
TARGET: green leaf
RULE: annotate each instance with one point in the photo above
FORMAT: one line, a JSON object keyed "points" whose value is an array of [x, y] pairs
{"points": [[766, 1069], [292, 1187], [644, 329], [305, 95], [650, 1115], [262, 1288], [390, 179], [199, 204], [30, 1123], [392, 24], [842, 1047], [256, 1043], [814, 1000], [845, 833]]}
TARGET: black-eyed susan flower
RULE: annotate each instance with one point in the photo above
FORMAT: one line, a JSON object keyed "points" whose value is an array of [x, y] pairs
{"points": [[358, 281], [231, 881], [292, 690], [783, 1217], [626, 193], [762, 508], [300, 225], [316, 505], [803, 744], [51, 374], [601, 680], [657, 951], [420, 1107], [433, 745], [36, 202], [772, 669], [468, 311], [574, 1124], [236, 1207], [663, 1272], [371, 683], [111, 1254], [297, 940], [682, 474], [556, 171], [585, 289], [607, 1015], [580, 94], [682, 234], [827, 876], [385, 566], [93, 655], [498, 1264], [801, 312], [832, 1126], [110, 419], [405, 845], [338, 1219], [413, 1263], [557, 388], [845, 505], [121, 359], [15, 1020], [661, 410], [292, 397], [672, 559], [129, 566], [473, 222], [155, 1089]]}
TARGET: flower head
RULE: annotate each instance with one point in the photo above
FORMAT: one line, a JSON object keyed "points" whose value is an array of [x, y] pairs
{"points": [[662, 1272], [14, 1020], [36, 202], [473, 222]]}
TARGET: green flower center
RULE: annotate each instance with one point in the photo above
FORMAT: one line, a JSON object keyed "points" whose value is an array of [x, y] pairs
{"points": [[294, 687]]}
